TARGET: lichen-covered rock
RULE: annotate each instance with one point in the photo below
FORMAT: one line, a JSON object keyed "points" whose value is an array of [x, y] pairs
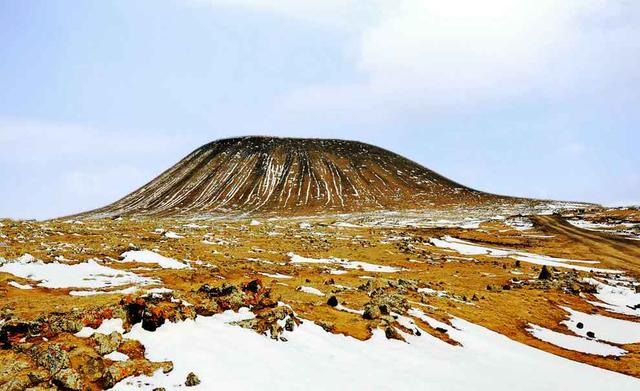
{"points": [[123, 369], [132, 348], [116, 372], [18, 372], [51, 357], [106, 344], [16, 383], [91, 367], [65, 325], [69, 379]]}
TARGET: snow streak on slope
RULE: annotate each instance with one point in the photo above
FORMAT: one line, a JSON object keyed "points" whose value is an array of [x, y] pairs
{"points": [[295, 176]]}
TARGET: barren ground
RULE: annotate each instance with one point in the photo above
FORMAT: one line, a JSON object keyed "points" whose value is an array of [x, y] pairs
{"points": [[230, 264]]}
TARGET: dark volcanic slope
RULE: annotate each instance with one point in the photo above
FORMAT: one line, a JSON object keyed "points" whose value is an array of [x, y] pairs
{"points": [[290, 176]]}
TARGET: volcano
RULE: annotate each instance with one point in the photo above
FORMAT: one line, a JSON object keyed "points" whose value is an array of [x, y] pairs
{"points": [[290, 176]]}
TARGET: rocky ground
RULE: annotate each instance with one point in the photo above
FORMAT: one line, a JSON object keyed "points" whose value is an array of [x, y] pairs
{"points": [[71, 291]]}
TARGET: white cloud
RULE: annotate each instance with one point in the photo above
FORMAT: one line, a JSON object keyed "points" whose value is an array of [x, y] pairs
{"points": [[433, 55], [343, 14]]}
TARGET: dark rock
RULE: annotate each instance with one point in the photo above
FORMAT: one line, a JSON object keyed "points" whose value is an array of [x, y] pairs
{"points": [[134, 310], [545, 274], [152, 318], [330, 281], [192, 380], [253, 286], [224, 290], [333, 301], [591, 334], [392, 333], [13, 330], [290, 324], [580, 325]]}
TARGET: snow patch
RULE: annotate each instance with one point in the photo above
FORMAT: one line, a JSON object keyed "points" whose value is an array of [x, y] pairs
{"points": [[108, 326], [467, 248], [572, 342], [146, 256], [81, 275], [369, 267], [605, 329], [311, 290], [220, 353]]}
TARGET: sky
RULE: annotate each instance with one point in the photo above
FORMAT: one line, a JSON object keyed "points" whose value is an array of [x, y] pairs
{"points": [[537, 98]]}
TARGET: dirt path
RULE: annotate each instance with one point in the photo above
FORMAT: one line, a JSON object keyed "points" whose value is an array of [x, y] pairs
{"points": [[617, 251]]}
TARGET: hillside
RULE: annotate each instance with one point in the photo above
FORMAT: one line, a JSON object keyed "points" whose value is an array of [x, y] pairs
{"points": [[290, 176]]}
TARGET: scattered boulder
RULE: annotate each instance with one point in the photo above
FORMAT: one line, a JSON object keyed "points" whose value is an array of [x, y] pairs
{"points": [[371, 311], [65, 325], [580, 325], [391, 333], [269, 320], [134, 309], [224, 290], [545, 274], [289, 324], [253, 286], [192, 380], [152, 318], [333, 301]]}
